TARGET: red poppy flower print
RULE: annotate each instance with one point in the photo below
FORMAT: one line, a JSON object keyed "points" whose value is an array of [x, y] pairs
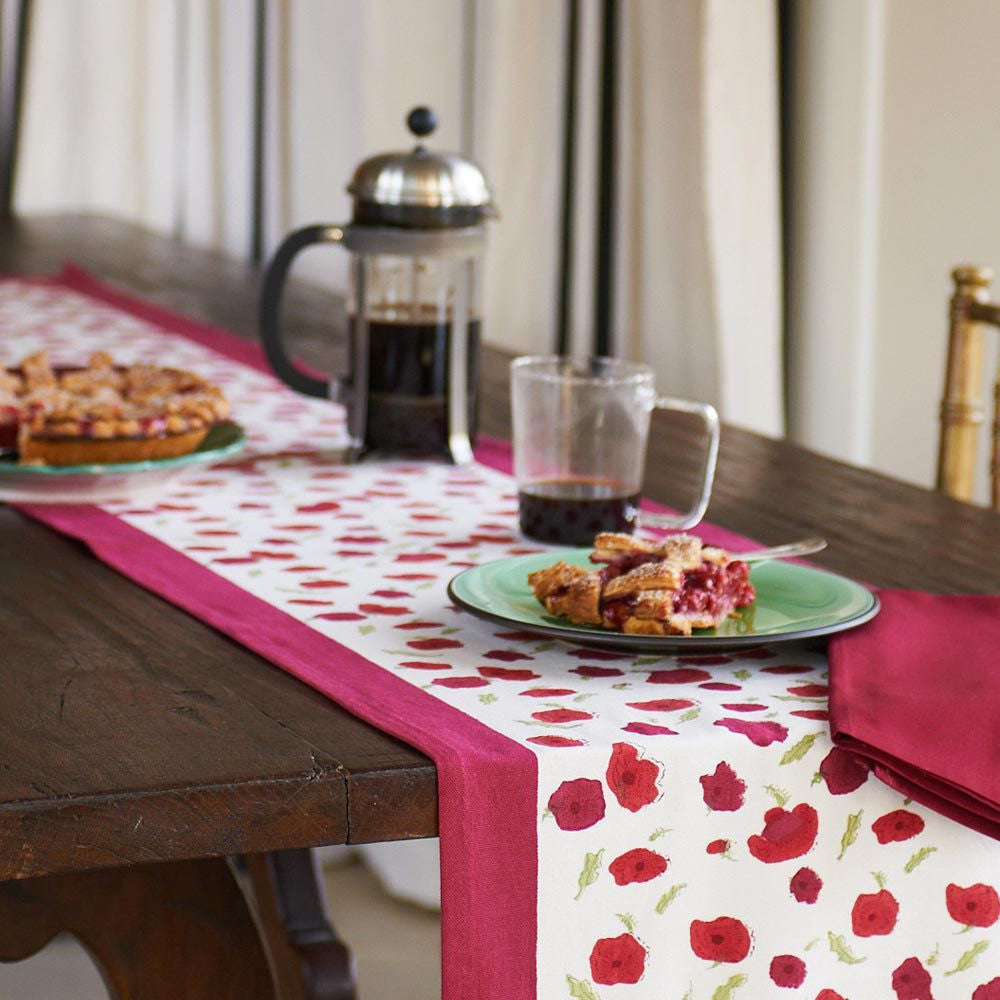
{"points": [[721, 686], [897, 825], [617, 960], [577, 804], [555, 741], [460, 682], [508, 674], [717, 847], [874, 914], [561, 715], [812, 713], [682, 675], [724, 939], [911, 981], [631, 778], [760, 734], [976, 906], [785, 835], [788, 971], [810, 690], [598, 671], [648, 729], [805, 885], [829, 995], [546, 692], [722, 790], [638, 865], [430, 645], [661, 704], [988, 991], [506, 655], [843, 772]]}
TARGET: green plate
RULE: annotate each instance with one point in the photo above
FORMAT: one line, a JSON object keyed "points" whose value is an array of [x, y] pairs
{"points": [[122, 480], [793, 602]]}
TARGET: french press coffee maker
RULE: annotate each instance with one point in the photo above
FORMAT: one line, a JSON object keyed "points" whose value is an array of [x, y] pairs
{"points": [[416, 240]]}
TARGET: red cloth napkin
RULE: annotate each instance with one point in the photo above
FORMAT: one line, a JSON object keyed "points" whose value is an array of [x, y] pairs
{"points": [[916, 693]]}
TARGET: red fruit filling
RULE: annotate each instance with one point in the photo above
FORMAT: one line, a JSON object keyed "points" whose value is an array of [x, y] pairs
{"points": [[710, 589]]}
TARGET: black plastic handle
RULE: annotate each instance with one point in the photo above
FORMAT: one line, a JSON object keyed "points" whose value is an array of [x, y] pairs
{"points": [[270, 308]]}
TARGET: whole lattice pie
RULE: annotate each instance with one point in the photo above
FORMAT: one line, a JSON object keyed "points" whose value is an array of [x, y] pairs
{"points": [[641, 588], [103, 413]]}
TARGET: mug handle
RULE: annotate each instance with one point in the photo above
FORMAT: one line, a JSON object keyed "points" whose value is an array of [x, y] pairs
{"points": [[270, 309], [710, 418]]}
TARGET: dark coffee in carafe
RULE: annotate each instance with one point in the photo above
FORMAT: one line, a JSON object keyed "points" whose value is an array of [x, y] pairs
{"points": [[408, 366]]}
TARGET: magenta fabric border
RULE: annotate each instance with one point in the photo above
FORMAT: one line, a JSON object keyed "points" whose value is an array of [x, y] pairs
{"points": [[487, 783]]}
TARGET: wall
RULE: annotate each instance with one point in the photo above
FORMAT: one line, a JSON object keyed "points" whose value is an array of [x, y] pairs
{"points": [[940, 206], [897, 163]]}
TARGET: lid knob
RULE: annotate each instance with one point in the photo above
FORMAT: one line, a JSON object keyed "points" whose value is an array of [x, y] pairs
{"points": [[421, 121]]}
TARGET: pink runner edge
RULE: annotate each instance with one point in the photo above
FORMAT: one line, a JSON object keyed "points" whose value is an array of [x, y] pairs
{"points": [[487, 783]]}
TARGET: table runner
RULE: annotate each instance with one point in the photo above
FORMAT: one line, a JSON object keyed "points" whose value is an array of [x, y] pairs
{"points": [[611, 826]]}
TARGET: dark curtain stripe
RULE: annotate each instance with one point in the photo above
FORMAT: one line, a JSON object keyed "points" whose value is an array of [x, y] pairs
{"points": [[605, 266], [14, 30], [566, 227]]}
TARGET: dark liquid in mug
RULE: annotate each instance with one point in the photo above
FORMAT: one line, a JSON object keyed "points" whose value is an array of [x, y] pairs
{"points": [[572, 511], [408, 385]]}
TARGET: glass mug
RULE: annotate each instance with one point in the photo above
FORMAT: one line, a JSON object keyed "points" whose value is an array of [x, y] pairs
{"points": [[580, 433]]}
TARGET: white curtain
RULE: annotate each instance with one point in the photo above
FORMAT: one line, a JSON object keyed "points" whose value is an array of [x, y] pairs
{"points": [[143, 110]]}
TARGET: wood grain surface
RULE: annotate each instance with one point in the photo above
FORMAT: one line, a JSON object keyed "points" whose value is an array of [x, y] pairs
{"points": [[130, 732]]}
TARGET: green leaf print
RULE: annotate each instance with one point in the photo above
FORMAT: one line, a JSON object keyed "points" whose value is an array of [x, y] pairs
{"points": [[742, 675], [448, 631], [933, 956], [658, 832], [800, 749], [646, 661], [591, 868], [879, 879], [544, 647], [969, 958], [780, 796], [851, 832], [621, 686], [488, 698], [799, 697], [628, 920], [691, 713], [922, 855], [580, 989], [729, 987], [366, 629], [669, 896], [839, 947]]}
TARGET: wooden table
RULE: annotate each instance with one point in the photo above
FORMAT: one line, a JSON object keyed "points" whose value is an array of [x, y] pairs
{"points": [[139, 749]]}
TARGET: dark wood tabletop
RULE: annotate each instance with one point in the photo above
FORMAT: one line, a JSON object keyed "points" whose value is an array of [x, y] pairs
{"points": [[130, 732]]}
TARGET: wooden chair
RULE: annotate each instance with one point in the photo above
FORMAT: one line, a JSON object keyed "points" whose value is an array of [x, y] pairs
{"points": [[962, 407]]}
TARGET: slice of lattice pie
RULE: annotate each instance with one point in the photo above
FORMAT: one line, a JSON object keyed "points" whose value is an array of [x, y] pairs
{"points": [[647, 588]]}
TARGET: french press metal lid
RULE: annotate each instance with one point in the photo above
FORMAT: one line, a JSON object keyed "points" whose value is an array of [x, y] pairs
{"points": [[420, 189]]}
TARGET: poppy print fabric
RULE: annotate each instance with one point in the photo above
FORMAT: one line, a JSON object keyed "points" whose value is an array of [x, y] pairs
{"points": [[698, 836]]}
